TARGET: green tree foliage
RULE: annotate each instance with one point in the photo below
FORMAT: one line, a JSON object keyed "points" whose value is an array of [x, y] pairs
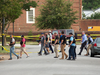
{"points": [[90, 4], [12, 9], [56, 14], [94, 16]]}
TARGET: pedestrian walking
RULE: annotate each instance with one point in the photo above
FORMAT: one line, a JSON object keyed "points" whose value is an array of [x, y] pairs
{"points": [[72, 47], [42, 42], [63, 45], [47, 42], [84, 42], [23, 49], [50, 44], [56, 45], [12, 48], [90, 41], [60, 35]]}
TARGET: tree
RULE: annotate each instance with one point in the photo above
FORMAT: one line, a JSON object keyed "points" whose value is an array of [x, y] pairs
{"points": [[56, 14], [90, 4], [12, 9], [94, 16]]}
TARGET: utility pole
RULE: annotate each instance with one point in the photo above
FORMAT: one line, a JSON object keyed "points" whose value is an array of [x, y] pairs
{"points": [[3, 23]]}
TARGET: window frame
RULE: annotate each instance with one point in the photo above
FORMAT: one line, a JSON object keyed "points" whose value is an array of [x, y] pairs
{"points": [[27, 19]]}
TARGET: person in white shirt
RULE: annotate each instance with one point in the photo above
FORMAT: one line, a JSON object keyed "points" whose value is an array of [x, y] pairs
{"points": [[50, 44]]}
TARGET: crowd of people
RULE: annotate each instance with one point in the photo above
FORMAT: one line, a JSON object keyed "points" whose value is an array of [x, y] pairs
{"points": [[60, 40]]}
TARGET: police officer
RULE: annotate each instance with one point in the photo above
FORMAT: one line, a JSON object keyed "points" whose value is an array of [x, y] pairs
{"points": [[72, 47], [90, 40]]}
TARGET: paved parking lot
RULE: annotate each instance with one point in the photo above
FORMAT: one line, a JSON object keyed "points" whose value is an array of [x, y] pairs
{"points": [[48, 65]]}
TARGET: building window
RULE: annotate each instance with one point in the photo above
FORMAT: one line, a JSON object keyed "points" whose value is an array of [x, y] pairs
{"points": [[30, 16]]}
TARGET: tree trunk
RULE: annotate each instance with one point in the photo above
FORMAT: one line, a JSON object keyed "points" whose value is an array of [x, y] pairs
{"points": [[5, 41]]}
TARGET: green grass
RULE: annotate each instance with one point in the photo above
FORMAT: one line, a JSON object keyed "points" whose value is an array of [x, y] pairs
{"points": [[78, 43], [3, 51]]}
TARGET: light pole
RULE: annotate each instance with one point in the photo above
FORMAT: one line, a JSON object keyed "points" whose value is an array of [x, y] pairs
{"points": [[3, 23]]}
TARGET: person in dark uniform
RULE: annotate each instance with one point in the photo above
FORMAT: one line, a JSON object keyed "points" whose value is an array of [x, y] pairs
{"points": [[63, 45], [72, 47], [90, 40]]}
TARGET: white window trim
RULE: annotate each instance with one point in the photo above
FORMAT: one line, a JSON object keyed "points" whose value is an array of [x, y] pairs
{"points": [[33, 16]]}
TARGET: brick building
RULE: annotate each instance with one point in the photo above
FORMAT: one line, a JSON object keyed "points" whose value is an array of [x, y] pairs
{"points": [[25, 21]]}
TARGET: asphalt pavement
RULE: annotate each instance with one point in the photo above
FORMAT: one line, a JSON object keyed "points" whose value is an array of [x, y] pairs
{"points": [[48, 65]]}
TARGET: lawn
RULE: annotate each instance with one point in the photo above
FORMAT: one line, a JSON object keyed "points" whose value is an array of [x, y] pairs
{"points": [[3, 51], [7, 48]]}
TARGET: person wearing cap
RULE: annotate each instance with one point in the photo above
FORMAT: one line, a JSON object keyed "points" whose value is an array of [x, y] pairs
{"points": [[72, 47], [43, 41], [50, 38], [12, 48], [22, 43]]}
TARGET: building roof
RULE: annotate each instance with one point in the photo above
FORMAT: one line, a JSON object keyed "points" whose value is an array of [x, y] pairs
{"points": [[88, 13]]}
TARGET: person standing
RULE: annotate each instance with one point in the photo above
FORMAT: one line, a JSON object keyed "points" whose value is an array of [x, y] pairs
{"points": [[56, 45], [23, 49], [43, 41], [12, 48], [50, 38], [90, 40], [84, 42], [63, 45], [72, 47]]}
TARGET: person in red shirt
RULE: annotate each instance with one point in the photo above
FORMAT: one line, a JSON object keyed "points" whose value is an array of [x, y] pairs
{"points": [[23, 49]]}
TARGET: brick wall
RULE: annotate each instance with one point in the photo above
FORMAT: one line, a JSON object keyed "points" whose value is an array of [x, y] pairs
{"points": [[20, 24], [85, 23]]}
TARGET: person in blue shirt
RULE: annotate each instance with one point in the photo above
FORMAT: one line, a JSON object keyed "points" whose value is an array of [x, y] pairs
{"points": [[84, 42], [90, 40], [72, 47]]}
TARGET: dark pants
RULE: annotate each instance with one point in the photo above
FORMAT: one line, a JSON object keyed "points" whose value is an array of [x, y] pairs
{"points": [[75, 51], [72, 52], [83, 45], [51, 47], [43, 48]]}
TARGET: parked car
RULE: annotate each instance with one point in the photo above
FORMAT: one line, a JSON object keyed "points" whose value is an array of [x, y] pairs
{"points": [[95, 49]]}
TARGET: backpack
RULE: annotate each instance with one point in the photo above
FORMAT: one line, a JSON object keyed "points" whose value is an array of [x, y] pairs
{"points": [[74, 41], [22, 42]]}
